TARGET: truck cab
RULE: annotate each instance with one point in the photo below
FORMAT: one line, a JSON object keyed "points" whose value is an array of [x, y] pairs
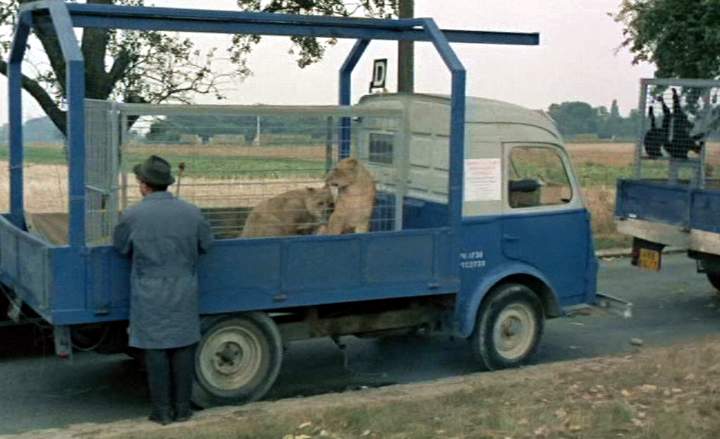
{"points": [[520, 195]]}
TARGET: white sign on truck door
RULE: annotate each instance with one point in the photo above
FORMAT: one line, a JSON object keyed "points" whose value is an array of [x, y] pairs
{"points": [[483, 180]]}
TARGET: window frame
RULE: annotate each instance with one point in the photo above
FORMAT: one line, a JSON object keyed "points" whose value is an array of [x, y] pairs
{"points": [[393, 140], [576, 198]]}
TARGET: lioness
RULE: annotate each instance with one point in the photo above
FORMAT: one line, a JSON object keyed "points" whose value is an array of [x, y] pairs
{"points": [[297, 212], [355, 198]]}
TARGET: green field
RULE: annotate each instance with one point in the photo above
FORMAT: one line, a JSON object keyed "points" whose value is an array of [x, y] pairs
{"points": [[598, 167], [215, 165]]}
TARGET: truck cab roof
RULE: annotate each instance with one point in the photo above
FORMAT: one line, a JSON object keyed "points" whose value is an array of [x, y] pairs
{"points": [[478, 111]]}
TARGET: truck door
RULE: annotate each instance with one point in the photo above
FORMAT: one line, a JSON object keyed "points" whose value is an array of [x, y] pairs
{"points": [[545, 223]]}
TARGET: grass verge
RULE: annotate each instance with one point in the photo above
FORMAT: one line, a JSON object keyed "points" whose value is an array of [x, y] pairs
{"points": [[655, 394]]}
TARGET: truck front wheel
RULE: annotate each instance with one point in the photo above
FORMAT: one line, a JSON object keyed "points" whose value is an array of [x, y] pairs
{"points": [[237, 360], [508, 328]]}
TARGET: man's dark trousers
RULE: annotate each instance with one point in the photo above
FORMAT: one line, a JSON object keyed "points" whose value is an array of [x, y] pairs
{"points": [[170, 377]]}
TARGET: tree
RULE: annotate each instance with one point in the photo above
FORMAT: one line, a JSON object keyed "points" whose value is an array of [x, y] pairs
{"points": [[155, 67], [610, 123], [681, 37], [580, 118], [575, 118]]}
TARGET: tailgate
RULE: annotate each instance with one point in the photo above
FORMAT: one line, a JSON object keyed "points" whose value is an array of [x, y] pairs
{"points": [[654, 201]]}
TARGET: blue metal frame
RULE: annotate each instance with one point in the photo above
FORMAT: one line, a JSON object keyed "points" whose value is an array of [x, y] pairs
{"points": [[66, 16], [22, 31], [199, 20]]}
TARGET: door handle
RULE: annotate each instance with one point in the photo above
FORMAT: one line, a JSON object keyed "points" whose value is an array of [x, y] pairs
{"points": [[511, 238]]}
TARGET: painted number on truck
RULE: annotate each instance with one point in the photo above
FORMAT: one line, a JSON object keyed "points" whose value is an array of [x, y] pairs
{"points": [[472, 260]]}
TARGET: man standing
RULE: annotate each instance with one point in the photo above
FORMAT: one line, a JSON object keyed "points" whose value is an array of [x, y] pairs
{"points": [[164, 236]]}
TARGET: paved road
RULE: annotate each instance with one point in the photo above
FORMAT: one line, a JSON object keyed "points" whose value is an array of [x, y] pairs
{"points": [[40, 391]]}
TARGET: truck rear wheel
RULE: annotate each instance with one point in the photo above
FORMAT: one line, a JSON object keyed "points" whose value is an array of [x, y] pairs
{"points": [[508, 328], [237, 360]]}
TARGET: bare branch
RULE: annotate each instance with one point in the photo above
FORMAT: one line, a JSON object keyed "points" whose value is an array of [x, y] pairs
{"points": [[119, 67], [46, 102]]}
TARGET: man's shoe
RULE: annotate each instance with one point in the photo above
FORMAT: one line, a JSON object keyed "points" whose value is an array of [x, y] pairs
{"points": [[183, 414], [162, 417]]}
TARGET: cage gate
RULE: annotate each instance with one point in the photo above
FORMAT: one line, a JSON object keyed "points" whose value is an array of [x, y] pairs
{"points": [[102, 162]]}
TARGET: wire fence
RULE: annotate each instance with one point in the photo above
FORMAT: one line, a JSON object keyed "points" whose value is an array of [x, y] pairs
{"points": [[264, 174]]}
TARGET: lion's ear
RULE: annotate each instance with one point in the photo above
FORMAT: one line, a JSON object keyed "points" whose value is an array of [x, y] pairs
{"points": [[311, 189], [351, 162]]}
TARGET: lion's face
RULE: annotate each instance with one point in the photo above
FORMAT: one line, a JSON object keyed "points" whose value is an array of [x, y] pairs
{"points": [[319, 202], [343, 174]]}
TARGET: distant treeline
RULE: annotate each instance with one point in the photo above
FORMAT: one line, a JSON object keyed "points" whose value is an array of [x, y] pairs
{"points": [[38, 130], [580, 120], [575, 120]]}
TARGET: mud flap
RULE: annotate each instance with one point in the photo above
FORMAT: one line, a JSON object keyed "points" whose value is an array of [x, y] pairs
{"points": [[63, 343]]}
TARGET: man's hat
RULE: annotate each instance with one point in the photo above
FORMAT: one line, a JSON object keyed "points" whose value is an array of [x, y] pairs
{"points": [[155, 170]]}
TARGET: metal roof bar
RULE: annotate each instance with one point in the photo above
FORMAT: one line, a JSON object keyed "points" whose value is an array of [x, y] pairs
{"points": [[669, 82], [255, 110], [201, 20]]}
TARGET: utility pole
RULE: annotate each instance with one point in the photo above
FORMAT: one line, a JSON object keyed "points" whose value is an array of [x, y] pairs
{"points": [[406, 52], [256, 141]]}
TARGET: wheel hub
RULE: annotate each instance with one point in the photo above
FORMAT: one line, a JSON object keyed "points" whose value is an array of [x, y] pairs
{"points": [[511, 327], [514, 331], [229, 358]]}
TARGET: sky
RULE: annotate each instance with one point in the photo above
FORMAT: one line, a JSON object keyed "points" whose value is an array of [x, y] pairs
{"points": [[579, 58]]}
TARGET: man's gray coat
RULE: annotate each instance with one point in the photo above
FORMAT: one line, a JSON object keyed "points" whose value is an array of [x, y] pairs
{"points": [[164, 236]]}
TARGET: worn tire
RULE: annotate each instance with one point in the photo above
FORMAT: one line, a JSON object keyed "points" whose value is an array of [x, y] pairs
{"points": [[509, 326], [237, 360]]}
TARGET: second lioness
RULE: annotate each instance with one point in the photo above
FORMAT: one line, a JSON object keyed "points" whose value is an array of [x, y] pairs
{"points": [[355, 198], [297, 212]]}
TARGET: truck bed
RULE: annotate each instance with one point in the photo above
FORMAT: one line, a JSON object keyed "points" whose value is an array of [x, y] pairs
{"points": [[67, 286]]}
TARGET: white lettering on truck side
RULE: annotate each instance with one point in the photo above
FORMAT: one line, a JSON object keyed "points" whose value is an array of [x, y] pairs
{"points": [[472, 260]]}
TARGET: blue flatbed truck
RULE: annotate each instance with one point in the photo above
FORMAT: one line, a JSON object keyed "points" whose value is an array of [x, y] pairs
{"points": [[488, 232], [673, 198]]}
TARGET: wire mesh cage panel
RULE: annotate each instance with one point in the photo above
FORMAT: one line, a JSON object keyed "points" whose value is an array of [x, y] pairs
{"points": [[678, 130], [101, 170], [46, 180], [250, 165]]}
